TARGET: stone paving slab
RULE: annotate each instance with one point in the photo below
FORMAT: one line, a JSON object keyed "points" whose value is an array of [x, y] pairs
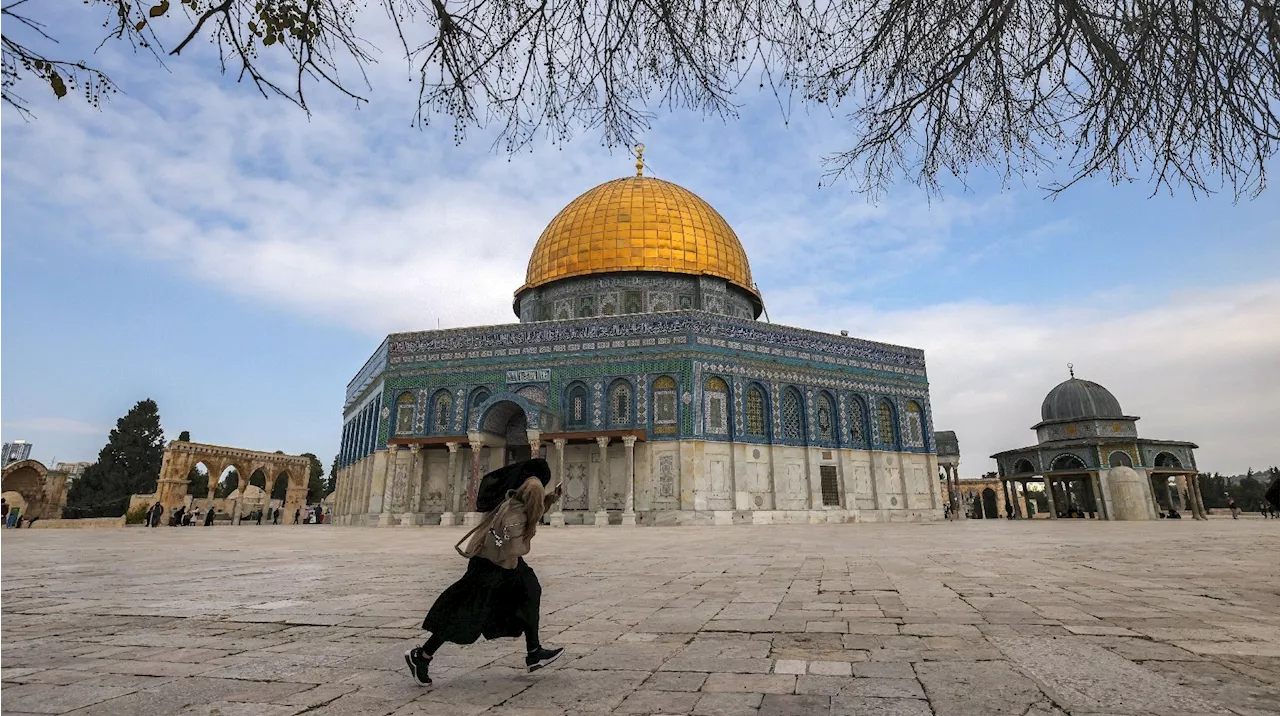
{"points": [[995, 617]]}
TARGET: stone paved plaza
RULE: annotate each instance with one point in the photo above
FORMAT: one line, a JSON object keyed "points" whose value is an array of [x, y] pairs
{"points": [[905, 620]]}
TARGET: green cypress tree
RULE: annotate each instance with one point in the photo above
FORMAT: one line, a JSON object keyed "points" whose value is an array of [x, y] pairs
{"points": [[129, 464], [315, 480]]}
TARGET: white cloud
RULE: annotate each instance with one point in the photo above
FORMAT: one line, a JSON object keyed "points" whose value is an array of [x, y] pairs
{"points": [[1196, 365]]}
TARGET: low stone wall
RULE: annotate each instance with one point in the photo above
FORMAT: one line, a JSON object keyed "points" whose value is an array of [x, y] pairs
{"points": [[91, 523]]}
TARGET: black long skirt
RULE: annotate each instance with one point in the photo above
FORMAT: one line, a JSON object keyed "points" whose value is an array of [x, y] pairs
{"points": [[488, 601]]}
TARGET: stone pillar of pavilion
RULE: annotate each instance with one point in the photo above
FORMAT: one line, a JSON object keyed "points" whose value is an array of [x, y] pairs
{"points": [[413, 490], [453, 495], [1048, 493], [557, 513], [1008, 501], [601, 481], [1198, 497], [472, 518], [961, 512], [1095, 484], [629, 509]]}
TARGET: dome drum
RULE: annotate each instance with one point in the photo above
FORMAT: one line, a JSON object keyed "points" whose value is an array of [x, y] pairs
{"points": [[633, 292]]}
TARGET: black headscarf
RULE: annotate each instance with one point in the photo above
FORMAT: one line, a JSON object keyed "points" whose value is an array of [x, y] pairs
{"points": [[494, 486]]}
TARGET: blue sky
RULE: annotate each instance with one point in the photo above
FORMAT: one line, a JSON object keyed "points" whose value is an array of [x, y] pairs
{"points": [[238, 262]]}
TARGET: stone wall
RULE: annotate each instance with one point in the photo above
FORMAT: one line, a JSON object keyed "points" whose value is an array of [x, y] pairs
{"points": [[676, 482]]}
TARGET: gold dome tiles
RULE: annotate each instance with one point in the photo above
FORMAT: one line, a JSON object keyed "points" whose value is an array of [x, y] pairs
{"points": [[638, 224]]}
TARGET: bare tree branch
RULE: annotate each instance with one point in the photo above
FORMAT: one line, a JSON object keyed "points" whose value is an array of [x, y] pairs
{"points": [[1176, 93]]}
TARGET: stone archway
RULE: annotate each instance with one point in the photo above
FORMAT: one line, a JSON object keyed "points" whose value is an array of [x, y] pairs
{"points": [[180, 457], [29, 479]]}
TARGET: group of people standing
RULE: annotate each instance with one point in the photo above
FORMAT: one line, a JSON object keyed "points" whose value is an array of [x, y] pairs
{"points": [[181, 517]]}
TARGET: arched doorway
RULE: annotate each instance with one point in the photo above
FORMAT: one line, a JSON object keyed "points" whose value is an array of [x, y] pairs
{"points": [[506, 421], [27, 479], [990, 507]]}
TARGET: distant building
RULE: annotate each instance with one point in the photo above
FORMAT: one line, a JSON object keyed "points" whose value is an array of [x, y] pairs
{"points": [[73, 469], [16, 451]]}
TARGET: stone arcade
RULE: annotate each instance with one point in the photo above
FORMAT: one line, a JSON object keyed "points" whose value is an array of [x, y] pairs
{"points": [[640, 371]]}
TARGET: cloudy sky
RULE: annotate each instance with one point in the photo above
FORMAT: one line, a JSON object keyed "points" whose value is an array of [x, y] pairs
{"points": [[237, 262]]}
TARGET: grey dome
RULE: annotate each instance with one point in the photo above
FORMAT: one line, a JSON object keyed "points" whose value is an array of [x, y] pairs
{"points": [[1077, 399]]}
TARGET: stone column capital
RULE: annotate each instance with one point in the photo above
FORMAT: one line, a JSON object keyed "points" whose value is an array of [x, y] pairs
{"points": [[560, 443], [603, 441], [629, 440], [453, 447], [534, 436], [476, 444], [415, 448], [392, 447]]}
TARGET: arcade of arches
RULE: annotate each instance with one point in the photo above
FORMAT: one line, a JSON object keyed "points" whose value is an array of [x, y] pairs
{"points": [[180, 457], [43, 492]]}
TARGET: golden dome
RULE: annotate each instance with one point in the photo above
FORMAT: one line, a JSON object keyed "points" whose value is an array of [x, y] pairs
{"points": [[638, 224]]}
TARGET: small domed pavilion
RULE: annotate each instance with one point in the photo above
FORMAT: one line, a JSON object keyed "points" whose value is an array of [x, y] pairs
{"points": [[1092, 463]]}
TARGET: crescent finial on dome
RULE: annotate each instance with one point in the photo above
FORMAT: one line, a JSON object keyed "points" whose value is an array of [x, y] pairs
{"points": [[639, 160]]}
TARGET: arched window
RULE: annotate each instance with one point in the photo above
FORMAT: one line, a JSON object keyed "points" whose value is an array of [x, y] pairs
{"points": [[1167, 459], [442, 412], [857, 422], [1120, 458], [792, 415], [1067, 462], [478, 396], [715, 395], [825, 415], [755, 412], [1023, 467], [914, 428], [665, 418], [405, 406], [576, 406], [888, 438], [620, 403]]}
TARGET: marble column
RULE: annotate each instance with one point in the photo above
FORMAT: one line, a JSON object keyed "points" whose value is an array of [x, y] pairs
{"points": [[1048, 492], [388, 484], [962, 510], [1008, 501], [629, 509], [413, 490], [453, 492], [557, 512], [1197, 497], [1095, 484], [473, 484], [602, 482]]}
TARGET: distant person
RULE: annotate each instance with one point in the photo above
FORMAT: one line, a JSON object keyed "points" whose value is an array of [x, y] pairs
{"points": [[275, 516], [4, 511], [1273, 496], [1235, 510], [179, 516], [157, 511], [319, 515], [297, 516], [208, 517], [259, 516]]}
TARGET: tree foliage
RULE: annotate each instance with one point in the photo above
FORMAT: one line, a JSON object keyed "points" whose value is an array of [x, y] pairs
{"points": [[1178, 93], [197, 482], [128, 464], [184, 436], [230, 480], [315, 480], [1214, 490]]}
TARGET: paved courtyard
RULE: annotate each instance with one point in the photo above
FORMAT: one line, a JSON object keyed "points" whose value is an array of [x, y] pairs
{"points": [[904, 620]]}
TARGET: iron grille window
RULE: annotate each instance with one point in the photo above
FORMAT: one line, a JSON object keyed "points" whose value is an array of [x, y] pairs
{"points": [[830, 486]]}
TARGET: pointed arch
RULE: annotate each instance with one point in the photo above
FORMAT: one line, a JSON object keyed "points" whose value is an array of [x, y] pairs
{"points": [[887, 420], [442, 412], [478, 397], [576, 405], [824, 418], [913, 430], [757, 411], [792, 415], [406, 410], [857, 422], [621, 403], [715, 413], [666, 410]]}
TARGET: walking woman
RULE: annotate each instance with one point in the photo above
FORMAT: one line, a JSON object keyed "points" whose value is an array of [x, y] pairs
{"points": [[499, 596]]}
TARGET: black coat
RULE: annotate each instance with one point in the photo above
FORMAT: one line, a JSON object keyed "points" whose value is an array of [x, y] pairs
{"points": [[494, 486]]}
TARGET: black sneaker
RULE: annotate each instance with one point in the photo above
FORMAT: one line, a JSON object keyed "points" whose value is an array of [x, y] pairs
{"points": [[542, 657], [419, 665]]}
